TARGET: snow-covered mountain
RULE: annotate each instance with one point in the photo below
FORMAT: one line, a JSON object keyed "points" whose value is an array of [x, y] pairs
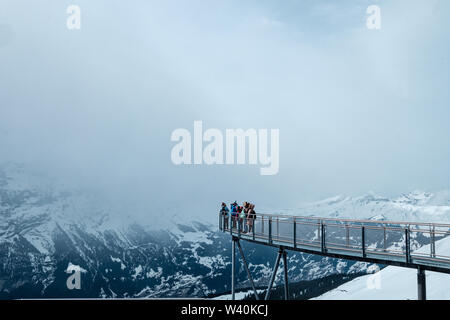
{"points": [[45, 227], [413, 206]]}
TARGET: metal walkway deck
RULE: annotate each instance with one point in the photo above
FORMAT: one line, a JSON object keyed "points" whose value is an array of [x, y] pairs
{"points": [[381, 242]]}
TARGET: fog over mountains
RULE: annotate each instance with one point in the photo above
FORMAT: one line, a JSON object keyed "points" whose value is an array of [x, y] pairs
{"points": [[45, 227]]}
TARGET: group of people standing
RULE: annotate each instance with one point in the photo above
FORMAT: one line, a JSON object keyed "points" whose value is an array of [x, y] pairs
{"points": [[242, 216]]}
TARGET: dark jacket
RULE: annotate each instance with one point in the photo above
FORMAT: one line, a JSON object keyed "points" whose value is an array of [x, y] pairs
{"points": [[224, 211]]}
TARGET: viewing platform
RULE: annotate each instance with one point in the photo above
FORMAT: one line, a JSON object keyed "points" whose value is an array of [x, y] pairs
{"points": [[398, 243]]}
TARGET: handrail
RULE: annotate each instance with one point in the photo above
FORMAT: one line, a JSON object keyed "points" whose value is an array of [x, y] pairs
{"points": [[390, 241], [416, 223]]}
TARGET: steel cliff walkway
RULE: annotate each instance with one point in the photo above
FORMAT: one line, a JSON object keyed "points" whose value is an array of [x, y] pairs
{"points": [[381, 242]]}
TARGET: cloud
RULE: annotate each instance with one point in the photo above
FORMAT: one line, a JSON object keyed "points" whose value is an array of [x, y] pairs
{"points": [[357, 109]]}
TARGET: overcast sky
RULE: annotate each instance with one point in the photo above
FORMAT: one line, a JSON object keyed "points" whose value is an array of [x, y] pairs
{"points": [[358, 110]]}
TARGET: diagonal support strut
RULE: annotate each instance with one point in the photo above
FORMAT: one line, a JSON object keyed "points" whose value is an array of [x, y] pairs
{"points": [[272, 278], [247, 269]]}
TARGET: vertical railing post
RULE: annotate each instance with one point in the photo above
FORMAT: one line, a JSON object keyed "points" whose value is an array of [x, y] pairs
{"points": [[295, 233], [239, 225], [363, 244], [408, 245], [433, 242], [319, 231], [270, 230], [384, 238], [323, 236], [262, 225], [278, 228], [347, 235], [253, 224]]}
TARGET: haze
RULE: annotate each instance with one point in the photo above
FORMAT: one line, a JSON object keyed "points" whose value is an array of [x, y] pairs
{"points": [[358, 110]]}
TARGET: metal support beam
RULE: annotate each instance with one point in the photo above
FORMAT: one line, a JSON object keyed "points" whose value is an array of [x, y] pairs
{"points": [[286, 280], [233, 266], [248, 270], [421, 284], [272, 278]]}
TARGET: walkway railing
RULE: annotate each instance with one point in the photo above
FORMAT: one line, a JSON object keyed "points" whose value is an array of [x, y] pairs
{"points": [[390, 242]]}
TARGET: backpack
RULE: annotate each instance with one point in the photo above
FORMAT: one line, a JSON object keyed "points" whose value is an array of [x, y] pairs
{"points": [[224, 211]]}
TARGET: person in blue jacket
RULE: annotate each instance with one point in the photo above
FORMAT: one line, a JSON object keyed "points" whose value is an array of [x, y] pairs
{"points": [[234, 214]]}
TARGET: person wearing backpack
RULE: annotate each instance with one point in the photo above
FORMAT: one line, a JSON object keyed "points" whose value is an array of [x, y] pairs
{"points": [[234, 213], [224, 212]]}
